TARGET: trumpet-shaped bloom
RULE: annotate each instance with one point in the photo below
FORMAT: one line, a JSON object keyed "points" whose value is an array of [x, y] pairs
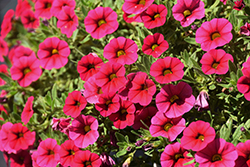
{"points": [[243, 85], [3, 69], [238, 5], [121, 50], [135, 6], [43, 8], [4, 49], [86, 159], [187, 11], [154, 45], [4, 137], [21, 159], [6, 25], [29, 19], [243, 150], [154, 16], [214, 33], [129, 19], [167, 70], [21, 6], [67, 153], [245, 29], [27, 111], [101, 21], [215, 61], [92, 92], [57, 6], [53, 53], [175, 100], [22, 51]]}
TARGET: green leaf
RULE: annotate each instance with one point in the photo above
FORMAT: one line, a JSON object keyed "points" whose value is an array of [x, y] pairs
{"points": [[226, 129], [48, 99], [186, 58], [43, 136], [232, 67], [7, 61], [190, 162], [86, 39], [4, 115], [190, 40], [121, 153], [146, 63], [5, 87], [237, 134], [15, 116], [5, 78], [120, 137], [243, 17], [212, 87], [54, 91], [75, 35]]}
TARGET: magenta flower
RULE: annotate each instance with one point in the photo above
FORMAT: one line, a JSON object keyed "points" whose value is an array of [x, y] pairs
{"points": [[4, 49], [111, 77], [127, 17], [4, 137], [6, 25], [43, 8], [107, 161], [197, 136], [142, 90], [21, 7], [154, 16], [67, 21], [83, 131], [34, 158], [27, 110], [123, 92], [239, 5], [243, 150], [215, 61], [22, 51], [175, 156], [101, 21], [3, 69], [201, 101], [187, 11], [86, 159], [243, 85], [175, 100], [166, 127], [21, 159], [154, 45], [29, 19], [135, 6], [57, 6], [48, 153], [214, 33], [67, 153], [92, 92], [167, 70], [217, 153], [121, 50], [53, 53], [245, 29], [61, 124]]}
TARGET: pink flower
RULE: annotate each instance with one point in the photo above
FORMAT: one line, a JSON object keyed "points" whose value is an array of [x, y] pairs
{"points": [[86, 159], [154, 45], [29, 19], [83, 131], [34, 158], [187, 11], [166, 127], [22, 51], [107, 161], [6, 25], [121, 50], [239, 5], [27, 111], [129, 19], [92, 91], [215, 61], [3, 69], [57, 6], [167, 70], [2, 109], [74, 104], [53, 53], [217, 153], [142, 90], [67, 21], [26, 70], [245, 29], [43, 8], [243, 150], [175, 156], [3, 49], [61, 124], [197, 136], [48, 153], [4, 137], [224, 1], [154, 16], [135, 6], [175, 100], [111, 77], [100, 22], [201, 101], [123, 92], [67, 153], [22, 5], [89, 65], [21, 159], [243, 85]]}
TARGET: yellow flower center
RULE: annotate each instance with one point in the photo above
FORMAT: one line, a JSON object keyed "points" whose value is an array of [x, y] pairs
{"points": [[51, 152], [32, 19], [20, 135], [178, 156], [101, 22], [120, 53], [186, 13], [72, 152], [100, 91], [142, 2], [215, 65], [78, 103], [215, 35], [201, 137], [154, 46], [108, 102], [54, 51], [123, 111], [216, 157], [157, 16], [173, 98], [144, 87], [87, 163], [26, 71], [167, 126], [165, 72], [48, 5], [112, 76], [91, 66], [86, 128]]}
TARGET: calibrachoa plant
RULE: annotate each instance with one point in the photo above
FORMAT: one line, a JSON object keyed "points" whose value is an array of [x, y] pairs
{"points": [[125, 83]]}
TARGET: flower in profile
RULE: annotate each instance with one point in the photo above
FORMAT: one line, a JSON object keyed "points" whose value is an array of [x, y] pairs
{"points": [[124, 116], [86, 159], [187, 12], [22, 51], [121, 50], [20, 137], [74, 104], [175, 100], [29, 19], [154, 16], [6, 25], [43, 8], [21, 6], [101, 21], [2, 109], [108, 103], [174, 155], [224, 1], [53, 53], [215, 61], [48, 153], [245, 29], [88, 66], [167, 70], [57, 6], [107, 161], [243, 85], [4, 137], [239, 5], [3, 69], [142, 90], [26, 70], [217, 153], [61, 124], [166, 127], [27, 111], [129, 18], [135, 6], [4, 49], [83, 131], [67, 153], [21, 159], [214, 33], [201, 101], [67, 21], [92, 91], [243, 151], [197, 136], [111, 77], [154, 45]]}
